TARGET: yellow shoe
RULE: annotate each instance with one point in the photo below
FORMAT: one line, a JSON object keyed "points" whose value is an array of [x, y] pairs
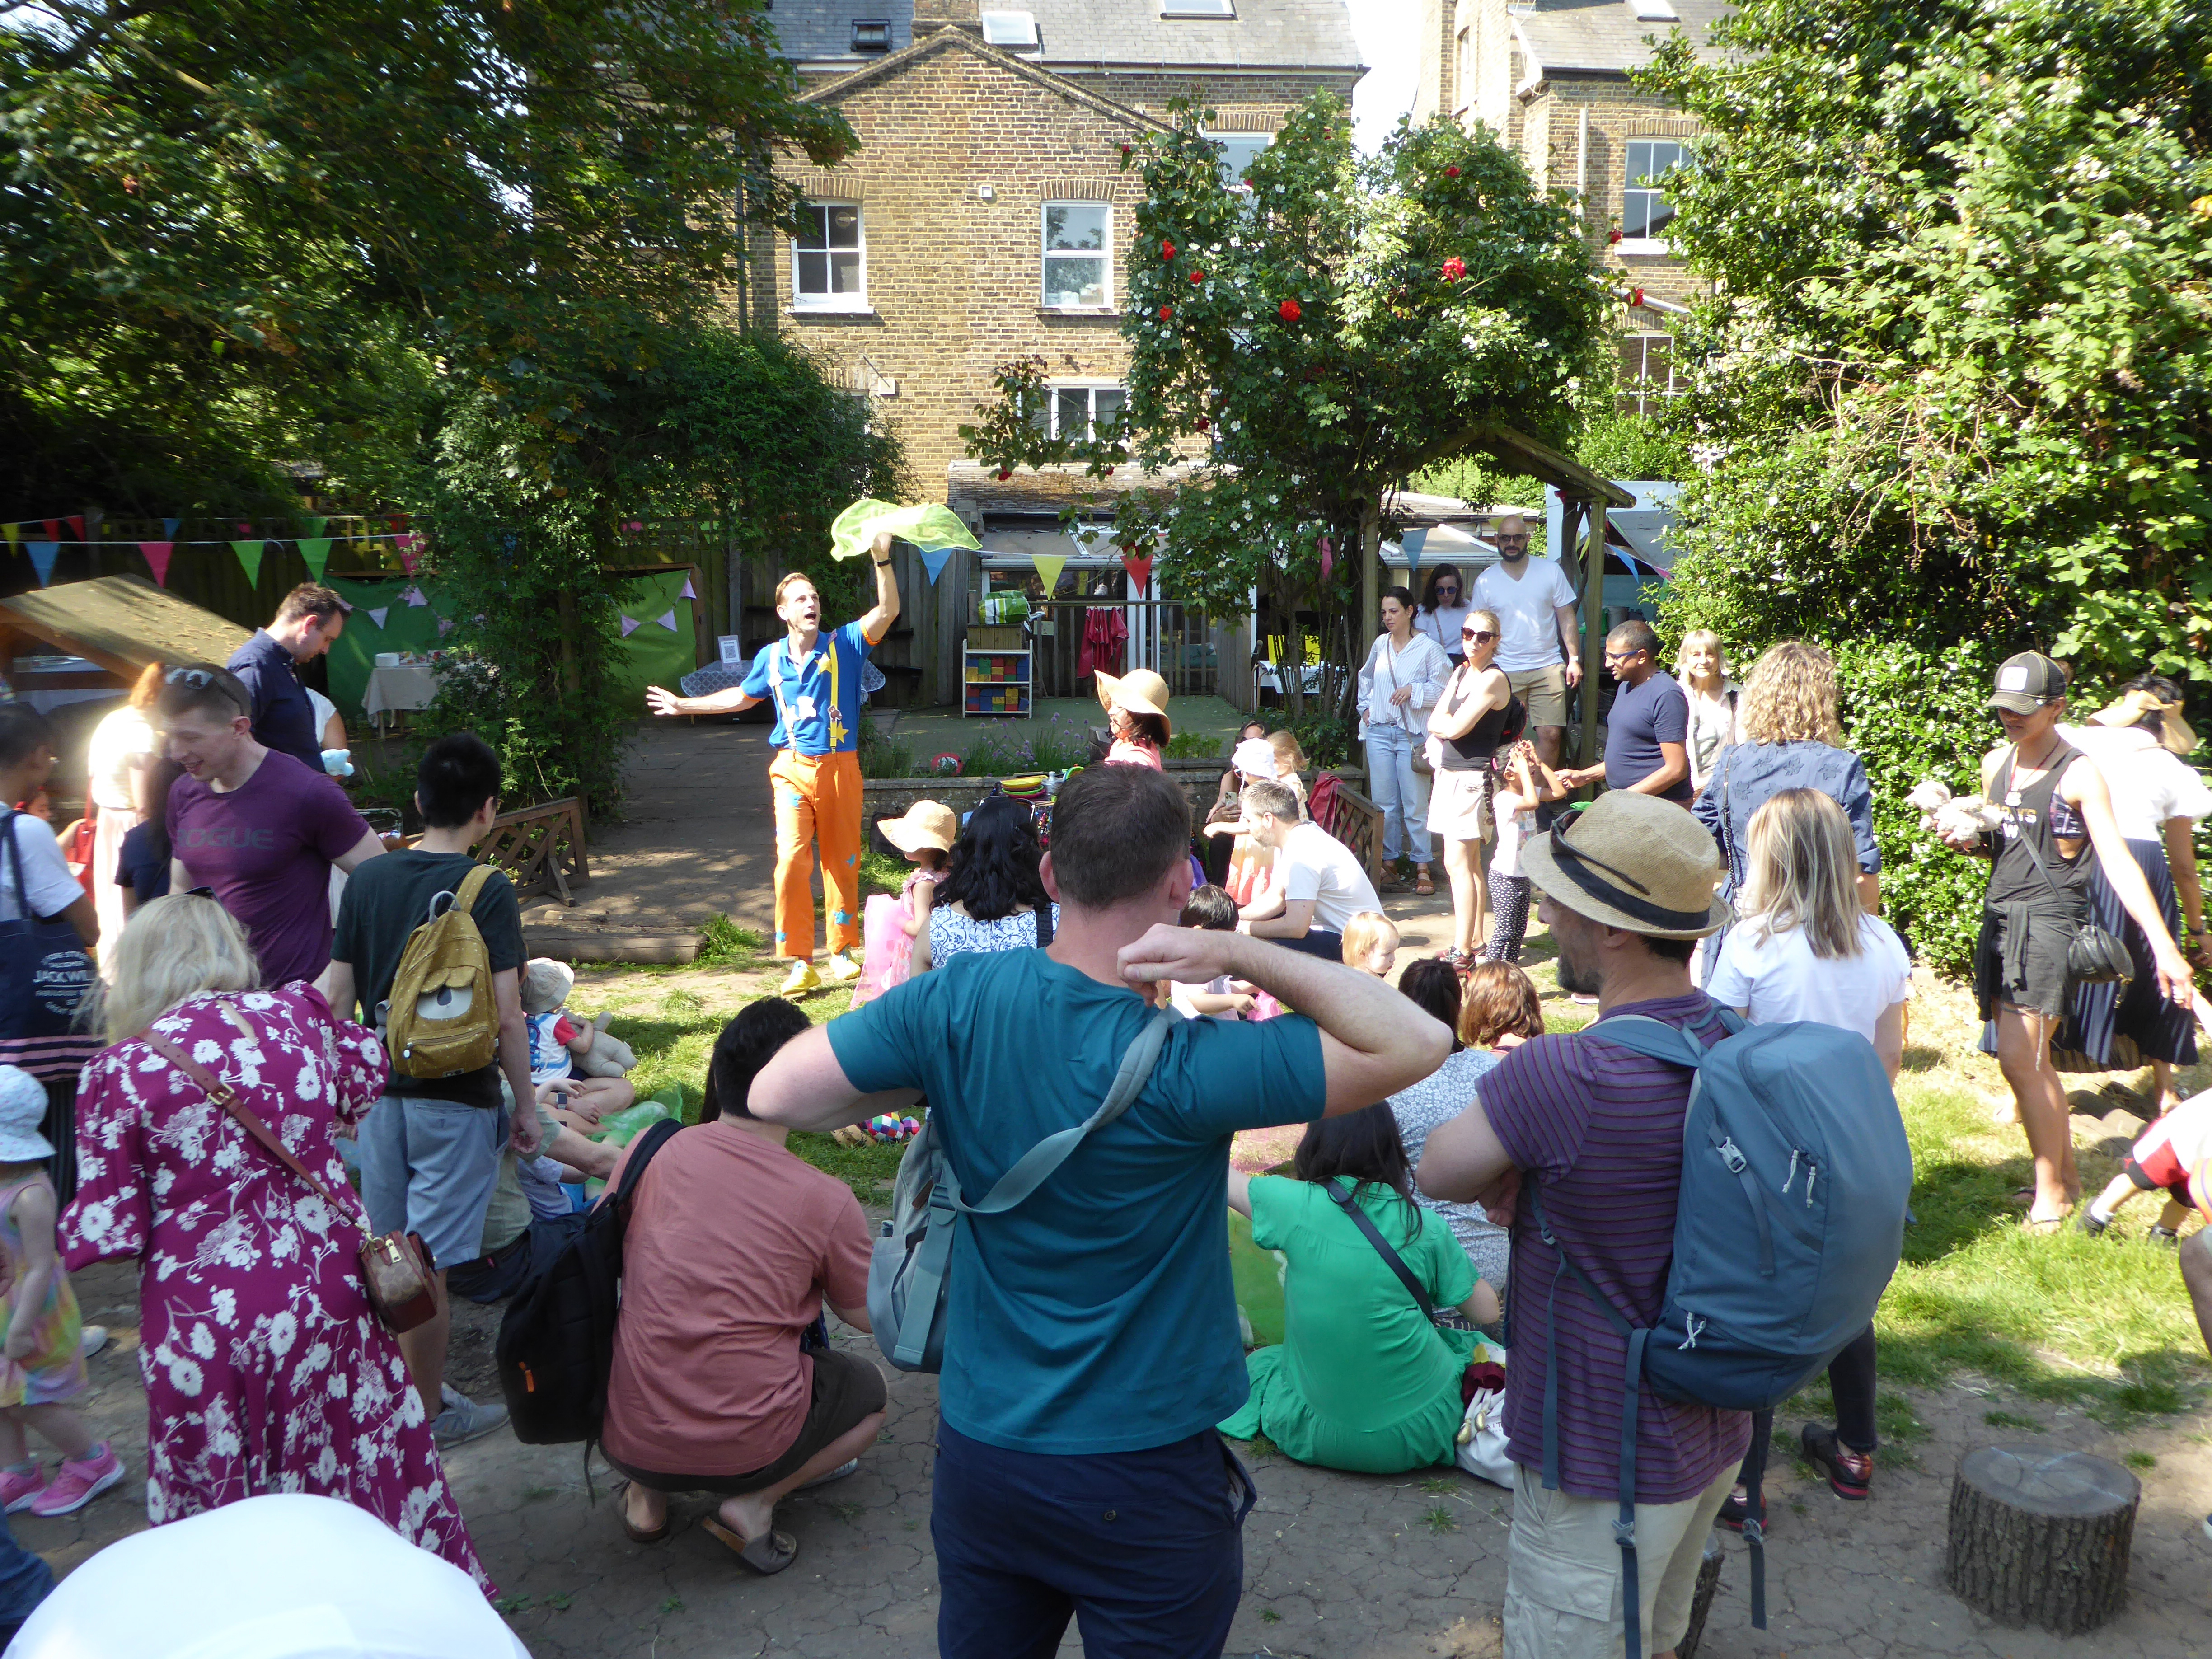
{"points": [[803, 979], [842, 967]]}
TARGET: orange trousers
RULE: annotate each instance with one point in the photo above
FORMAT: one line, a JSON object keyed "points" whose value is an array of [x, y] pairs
{"points": [[817, 799]]}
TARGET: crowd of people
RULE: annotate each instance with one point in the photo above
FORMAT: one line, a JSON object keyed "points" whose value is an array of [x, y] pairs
{"points": [[1455, 1161]]}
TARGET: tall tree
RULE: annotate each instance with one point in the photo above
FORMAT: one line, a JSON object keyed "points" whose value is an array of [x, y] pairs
{"points": [[1306, 338], [1955, 382]]}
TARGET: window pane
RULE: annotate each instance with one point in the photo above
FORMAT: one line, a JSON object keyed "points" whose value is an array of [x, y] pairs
{"points": [[1238, 149], [812, 227], [1072, 411], [1636, 210], [1658, 362], [1074, 281], [844, 273], [1081, 228], [1106, 407], [813, 273], [1197, 9], [1661, 216], [844, 226]]}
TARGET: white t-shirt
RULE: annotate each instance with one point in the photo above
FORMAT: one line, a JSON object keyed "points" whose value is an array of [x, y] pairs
{"points": [[1513, 829], [1779, 979], [1526, 612], [46, 879], [2148, 783], [121, 734], [1443, 625], [2187, 1129], [1314, 865]]}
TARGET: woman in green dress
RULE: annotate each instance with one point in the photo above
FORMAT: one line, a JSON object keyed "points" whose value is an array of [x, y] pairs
{"points": [[1363, 1380]]}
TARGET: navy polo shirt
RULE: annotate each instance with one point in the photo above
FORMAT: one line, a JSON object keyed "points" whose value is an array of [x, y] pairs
{"points": [[284, 718]]}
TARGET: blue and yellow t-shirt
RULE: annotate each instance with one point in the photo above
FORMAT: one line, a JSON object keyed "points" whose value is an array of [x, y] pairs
{"points": [[818, 699]]}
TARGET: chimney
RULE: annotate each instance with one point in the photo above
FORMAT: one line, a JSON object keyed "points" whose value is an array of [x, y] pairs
{"points": [[931, 15]]}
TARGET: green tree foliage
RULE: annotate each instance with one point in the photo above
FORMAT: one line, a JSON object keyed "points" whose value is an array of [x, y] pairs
{"points": [[1300, 347], [1956, 379], [216, 209]]}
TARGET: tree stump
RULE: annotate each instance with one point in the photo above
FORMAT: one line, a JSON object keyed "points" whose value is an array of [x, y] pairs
{"points": [[1701, 1603], [2041, 1538]]}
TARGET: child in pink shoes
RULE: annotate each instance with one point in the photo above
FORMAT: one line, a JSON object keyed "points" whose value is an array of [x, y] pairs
{"points": [[42, 1360]]}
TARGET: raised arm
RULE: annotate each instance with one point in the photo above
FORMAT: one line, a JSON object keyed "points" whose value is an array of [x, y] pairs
{"points": [[878, 622], [1373, 1041]]}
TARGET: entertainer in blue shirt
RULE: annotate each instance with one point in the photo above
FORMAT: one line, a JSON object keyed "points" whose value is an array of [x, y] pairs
{"points": [[1091, 1338], [814, 679], [268, 665]]}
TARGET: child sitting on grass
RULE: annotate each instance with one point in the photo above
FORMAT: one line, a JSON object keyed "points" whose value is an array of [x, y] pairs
{"points": [[44, 1359], [2159, 1161], [1371, 944], [1212, 910], [895, 932]]}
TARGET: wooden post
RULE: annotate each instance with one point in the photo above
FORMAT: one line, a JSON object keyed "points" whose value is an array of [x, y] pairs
{"points": [[1371, 575], [2041, 1538], [1592, 629]]}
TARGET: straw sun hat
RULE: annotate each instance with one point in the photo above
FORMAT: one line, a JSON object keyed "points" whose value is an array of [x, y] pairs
{"points": [[926, 824], [2174, 732], [1634, 862], [1140, 691]]}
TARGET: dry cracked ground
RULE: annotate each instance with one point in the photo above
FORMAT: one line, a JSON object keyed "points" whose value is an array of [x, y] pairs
{"points": [[1336, 1566]]}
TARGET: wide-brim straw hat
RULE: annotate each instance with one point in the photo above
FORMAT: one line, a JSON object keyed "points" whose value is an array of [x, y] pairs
{"points": [[2173, 730], [925, 823], [1140, 691], [22, 1109], [1634, 862]]}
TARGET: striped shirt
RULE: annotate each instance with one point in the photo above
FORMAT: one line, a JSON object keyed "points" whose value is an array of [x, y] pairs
{"points": [[1601, 1128]]}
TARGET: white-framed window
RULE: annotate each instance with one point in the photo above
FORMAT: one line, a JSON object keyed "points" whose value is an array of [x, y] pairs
{"points": [[1083, 409], [1647, 372], [1238, 150], [1645, 212], [1197, 8], [1078, 256], [830, 259]]}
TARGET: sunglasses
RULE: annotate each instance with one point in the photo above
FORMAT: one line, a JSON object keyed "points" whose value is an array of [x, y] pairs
{"points": [[1479, 635], [1510, 541], [1447, 589], [1624, 656], [192, 679]]}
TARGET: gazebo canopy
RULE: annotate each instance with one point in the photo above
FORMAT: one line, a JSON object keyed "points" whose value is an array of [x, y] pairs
{"points": [[121, 623]]}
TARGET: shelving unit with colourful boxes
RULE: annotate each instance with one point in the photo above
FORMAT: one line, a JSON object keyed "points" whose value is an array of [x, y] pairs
{"points": [[998, 681]]}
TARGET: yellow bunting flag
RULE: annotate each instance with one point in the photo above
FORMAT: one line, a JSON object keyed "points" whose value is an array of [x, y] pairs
{"points": [[1049, 566]]}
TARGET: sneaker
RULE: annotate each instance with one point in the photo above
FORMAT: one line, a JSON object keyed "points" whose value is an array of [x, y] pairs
{"points": [[2166, 1236], [842, 968], [91, 1339], [1850, 1473], [19, 1486], [2093, 1224], [77, 1482], [465, 1419], [803, 979], [837, 1474]]}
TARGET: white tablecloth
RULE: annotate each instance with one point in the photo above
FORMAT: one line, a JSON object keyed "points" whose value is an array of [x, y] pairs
{"points": [[410, 686]]}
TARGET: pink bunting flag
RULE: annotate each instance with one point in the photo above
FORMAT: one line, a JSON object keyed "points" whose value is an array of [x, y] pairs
{"points": [[629, 626], [157, 560], [668, 619], [689, 592], [1328, 558], [378, 615]]}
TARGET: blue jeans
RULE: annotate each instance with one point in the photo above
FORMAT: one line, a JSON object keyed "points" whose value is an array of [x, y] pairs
{"points": [[1397, 790], [25, 1581], [1146, 1549]]}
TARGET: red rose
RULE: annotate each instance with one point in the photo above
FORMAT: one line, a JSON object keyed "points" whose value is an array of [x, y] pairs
{"points": [[1167, 250], [1454, 268], [1289, 310], [1636, 296], [1124, 149], [1109, 472], [1203, 423], [1166, 312], [1004, 473], [1612, 236], [1196, 278], [1451, 172]]}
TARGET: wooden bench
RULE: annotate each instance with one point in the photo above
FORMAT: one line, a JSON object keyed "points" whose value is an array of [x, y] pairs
{"points": [[540, 848], [1358, 823]]}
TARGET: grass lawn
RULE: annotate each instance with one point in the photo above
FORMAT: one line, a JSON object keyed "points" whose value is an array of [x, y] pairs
{"points": [[2102, 1323]]}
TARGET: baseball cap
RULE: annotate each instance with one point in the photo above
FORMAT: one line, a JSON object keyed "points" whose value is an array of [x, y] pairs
{"points": [[2027, 682]]}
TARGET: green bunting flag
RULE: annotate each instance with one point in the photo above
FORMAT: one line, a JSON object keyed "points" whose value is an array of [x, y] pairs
{"points": [[249, 555], [312, 523], [316, 550]]}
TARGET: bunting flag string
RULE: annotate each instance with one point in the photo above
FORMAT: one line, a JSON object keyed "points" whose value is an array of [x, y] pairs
{"points": [[43, 555], [157, 560], [934, 561], [629, 626], [1049, 566], [249, 555], [1413, 541], [316, 550]]}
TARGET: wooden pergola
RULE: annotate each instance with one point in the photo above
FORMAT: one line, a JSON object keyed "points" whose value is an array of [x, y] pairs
{"points": [[1587, 498]]}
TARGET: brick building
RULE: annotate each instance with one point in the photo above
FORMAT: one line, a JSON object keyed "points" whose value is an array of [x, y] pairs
{"points": [[1551, 77]]}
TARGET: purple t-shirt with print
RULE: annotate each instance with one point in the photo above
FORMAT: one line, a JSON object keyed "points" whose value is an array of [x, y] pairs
{"points": [[266, 847], [1601, 1129]]}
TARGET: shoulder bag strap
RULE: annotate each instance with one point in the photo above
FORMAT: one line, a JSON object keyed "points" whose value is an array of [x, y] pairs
{"points": [[1037, 1164], [1043, 914], [472, 888], [221, 1094], [655, 1136], [1391, 1259], [2020, 833], [13, 854]]}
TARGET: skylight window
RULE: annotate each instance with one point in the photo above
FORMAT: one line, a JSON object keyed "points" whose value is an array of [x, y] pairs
{"points": [[1010, 28], [1654, 11], [1197, 8], [872, 35]]}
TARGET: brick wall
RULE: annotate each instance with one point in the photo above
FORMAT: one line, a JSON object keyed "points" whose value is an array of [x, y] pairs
{"points": [[1249, 103], [1618, 113]]}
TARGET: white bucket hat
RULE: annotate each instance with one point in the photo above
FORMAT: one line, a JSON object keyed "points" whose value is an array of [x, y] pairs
{"points": [[22, 1109], [1255, 758]]}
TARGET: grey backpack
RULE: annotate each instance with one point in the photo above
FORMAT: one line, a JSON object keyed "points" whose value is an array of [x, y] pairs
{"points": [[909, 1271]]}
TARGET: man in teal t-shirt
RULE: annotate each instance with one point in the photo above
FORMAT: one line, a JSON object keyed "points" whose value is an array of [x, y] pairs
{"points": [[813, 676], [1091, 1339]]}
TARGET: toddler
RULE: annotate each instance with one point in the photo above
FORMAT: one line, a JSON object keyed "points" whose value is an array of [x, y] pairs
{"points": [[42, 1363], [1212, 910], [1371, 944], [894, 931], [2160, 1161], [1528, 781], [555, 1041]]}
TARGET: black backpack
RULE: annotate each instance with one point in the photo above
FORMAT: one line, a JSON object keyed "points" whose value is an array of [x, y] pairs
{"points": [[556, 1343]]}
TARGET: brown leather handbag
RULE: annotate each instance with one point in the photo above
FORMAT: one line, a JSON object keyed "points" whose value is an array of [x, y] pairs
{"points": [[395, 1269]]}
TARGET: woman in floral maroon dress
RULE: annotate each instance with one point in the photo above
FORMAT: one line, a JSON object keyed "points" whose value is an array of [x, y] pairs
{"points": [[267, 1369]]}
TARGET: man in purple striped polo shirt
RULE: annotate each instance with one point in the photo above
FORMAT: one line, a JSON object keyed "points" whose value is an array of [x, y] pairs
{"points": [[1628, 889]]}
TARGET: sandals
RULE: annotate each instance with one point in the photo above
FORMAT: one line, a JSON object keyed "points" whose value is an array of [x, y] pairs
{"points": [[637, 1535], [765, 1556], [1425, 884]]}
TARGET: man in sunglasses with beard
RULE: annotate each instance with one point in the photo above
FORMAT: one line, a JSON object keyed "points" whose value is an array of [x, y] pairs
{"points": [[1541, 650]]}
